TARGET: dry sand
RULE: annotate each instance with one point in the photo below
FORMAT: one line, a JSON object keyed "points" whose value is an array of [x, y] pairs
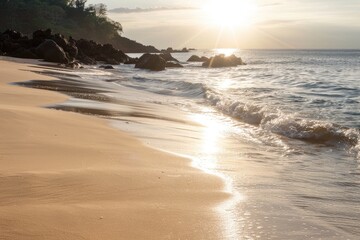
{"points": [[68, 176]]}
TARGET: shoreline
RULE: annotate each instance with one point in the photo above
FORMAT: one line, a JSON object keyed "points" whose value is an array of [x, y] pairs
{"points": [[99, 190]]}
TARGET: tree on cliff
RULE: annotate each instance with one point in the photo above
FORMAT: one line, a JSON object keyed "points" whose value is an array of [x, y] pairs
{"points": [[69, 17]]}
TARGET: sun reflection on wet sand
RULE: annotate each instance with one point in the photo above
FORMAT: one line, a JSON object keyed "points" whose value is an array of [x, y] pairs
{"points": [[211, 147]]}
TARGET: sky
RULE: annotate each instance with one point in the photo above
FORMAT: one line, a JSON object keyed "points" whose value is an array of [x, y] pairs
{"points": [[250, 24]]}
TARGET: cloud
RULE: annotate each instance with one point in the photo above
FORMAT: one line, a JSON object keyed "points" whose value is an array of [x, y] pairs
{"points": [[140, 10], [273, 22]]}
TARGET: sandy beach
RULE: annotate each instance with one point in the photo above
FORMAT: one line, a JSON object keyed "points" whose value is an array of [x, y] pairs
{"points": [[69, 176]]}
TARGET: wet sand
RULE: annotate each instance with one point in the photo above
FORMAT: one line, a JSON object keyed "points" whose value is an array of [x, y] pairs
{"points": [[65, 175]]}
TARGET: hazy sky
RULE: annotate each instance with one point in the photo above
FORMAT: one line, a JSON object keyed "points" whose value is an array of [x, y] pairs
{"points": [[275, 23]]}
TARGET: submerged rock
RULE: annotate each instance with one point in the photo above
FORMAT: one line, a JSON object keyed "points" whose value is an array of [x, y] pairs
{"points": [[221, 60], [151, 62]]}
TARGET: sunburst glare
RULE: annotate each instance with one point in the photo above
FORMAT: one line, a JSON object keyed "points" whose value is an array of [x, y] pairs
{"points": [[231, 13]]}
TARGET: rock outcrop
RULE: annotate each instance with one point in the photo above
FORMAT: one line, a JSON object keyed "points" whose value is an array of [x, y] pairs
{"points": [[151, 62], [56, 48], [221, 60], [195, 58]]}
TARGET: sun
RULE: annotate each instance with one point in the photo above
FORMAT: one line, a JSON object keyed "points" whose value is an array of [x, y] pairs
{"points": [[231, 13]]}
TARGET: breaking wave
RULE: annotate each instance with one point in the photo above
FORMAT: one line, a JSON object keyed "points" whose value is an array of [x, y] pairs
{"points": [[288, 125]]}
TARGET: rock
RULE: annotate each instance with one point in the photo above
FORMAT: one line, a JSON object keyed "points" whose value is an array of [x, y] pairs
{"points": [[24, 53], [195, 58], [40, 36], [51, 52], [152, 62], [219, 61], [173, 65], [167, 57], [85, 59], [106, 67], [106, 53], [13, 35], [60, 40], [10, 47]]}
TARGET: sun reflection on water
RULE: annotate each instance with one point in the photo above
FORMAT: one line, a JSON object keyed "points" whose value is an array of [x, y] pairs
{"points": [[210, 144], [211, 148], [226, 51]]}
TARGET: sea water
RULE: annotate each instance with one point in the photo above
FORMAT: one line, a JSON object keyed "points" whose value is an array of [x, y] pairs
{"points": [[283, 131]]}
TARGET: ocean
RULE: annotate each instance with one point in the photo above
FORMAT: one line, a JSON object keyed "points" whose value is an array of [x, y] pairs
{"points": [[283, 132]]}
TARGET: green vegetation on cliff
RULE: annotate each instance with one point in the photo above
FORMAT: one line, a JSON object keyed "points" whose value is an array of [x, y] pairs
{"points": [[68, 17]]}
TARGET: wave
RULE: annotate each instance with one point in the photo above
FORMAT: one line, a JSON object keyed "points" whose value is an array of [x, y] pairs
{"points": [[288, 125], [269, 119], [168, 87]]}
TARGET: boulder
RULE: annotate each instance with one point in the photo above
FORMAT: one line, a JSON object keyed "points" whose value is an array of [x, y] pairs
{"points": [[221, 60], [173, 65], [152, 62], [195, 58], [51, 52], [167, 57]]}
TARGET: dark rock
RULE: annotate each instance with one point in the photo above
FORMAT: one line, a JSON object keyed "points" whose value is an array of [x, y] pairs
{"points": [[219, 61], [60, 40], [167, 57], [173, 65], [152, 62], [9, 47], [24, 53], [106, 67], [51, 52], [105, 53], [13, 35], [40, 36], [195, 58], [86, 60], [204, 59]]}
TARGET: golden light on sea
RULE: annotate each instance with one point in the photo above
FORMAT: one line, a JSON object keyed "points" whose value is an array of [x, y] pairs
{"points": [[210, 144], [226, 51]]}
